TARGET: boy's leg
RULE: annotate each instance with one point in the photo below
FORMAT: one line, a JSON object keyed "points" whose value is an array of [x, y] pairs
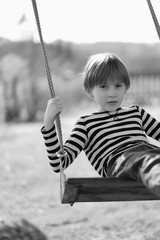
{"points": [[150, 172], [141, 163]]}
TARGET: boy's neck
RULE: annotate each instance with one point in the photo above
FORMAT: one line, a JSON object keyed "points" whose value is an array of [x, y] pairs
{"points": [[109, 111]]}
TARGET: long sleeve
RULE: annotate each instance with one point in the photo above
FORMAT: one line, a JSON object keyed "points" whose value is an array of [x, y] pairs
{"points": [[150, 125], [102, 137], [73, 146]]}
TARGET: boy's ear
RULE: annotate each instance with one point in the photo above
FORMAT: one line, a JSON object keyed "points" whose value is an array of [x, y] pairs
{"points": [[90, 95], [126, 91]]}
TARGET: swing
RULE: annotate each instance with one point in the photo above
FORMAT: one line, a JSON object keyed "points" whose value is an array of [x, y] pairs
{"points": [[93, 189]]}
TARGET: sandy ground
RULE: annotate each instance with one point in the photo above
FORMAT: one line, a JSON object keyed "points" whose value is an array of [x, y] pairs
{"points": [[30, 191]]}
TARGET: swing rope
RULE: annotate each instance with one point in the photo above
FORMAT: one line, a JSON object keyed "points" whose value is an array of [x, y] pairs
{"points": [[47, 68], [86, 189], [50, 84], [155, 20]]}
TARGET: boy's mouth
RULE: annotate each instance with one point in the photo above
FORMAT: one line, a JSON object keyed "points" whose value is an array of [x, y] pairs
{"points": [[112, 102]]}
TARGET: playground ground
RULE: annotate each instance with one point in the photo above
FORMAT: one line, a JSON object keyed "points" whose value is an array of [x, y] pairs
{"points": [[30, 200]]}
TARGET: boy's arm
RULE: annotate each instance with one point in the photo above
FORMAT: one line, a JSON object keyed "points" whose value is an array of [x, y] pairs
{"points": [[150, 125], [52, 147], [73, 146]]}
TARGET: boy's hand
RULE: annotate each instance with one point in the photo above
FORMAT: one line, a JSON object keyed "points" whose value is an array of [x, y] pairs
{"points": [[54, 107]]}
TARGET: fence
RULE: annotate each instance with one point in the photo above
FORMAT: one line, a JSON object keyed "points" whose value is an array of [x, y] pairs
{"points": [[145, 89]]}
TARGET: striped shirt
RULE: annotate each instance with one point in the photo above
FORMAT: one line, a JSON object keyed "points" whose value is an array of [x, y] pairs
{"points": [[103, 136]]}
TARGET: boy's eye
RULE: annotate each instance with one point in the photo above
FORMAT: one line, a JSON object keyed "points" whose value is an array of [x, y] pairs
{"points": [[119, 85], [102, 86]]}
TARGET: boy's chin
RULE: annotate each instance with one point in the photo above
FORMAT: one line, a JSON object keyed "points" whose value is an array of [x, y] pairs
{"points": [[109, 108]]}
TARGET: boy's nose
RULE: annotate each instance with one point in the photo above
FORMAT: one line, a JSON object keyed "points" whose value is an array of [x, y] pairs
{"points": [[112, 92]]}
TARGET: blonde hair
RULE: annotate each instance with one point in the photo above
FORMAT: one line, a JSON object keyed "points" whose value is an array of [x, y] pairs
{"points": [[102, 68]]}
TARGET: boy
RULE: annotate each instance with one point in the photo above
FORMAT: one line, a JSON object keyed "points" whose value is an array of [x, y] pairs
{"points": [[113, 138]]}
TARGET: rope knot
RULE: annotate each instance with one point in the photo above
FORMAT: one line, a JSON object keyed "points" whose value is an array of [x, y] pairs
{"points": [[61, 154]]}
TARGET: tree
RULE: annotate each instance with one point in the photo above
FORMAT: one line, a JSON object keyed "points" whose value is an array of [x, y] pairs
{"points": [[12, 69]]}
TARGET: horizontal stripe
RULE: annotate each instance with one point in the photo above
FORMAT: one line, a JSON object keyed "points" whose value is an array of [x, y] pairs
{"points": [[102, 138]]}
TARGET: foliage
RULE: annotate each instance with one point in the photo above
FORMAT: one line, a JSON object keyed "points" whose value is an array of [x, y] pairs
{"points": [[21, 231]]}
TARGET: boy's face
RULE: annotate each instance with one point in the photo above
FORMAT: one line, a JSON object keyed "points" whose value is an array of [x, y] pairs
{"points": [[110, 96]]}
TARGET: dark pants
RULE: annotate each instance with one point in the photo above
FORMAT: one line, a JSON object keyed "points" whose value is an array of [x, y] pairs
{"points": [[141, 163]]}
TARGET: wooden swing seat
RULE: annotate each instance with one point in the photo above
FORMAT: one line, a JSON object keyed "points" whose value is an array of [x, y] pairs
{"points": [[103, 190]]}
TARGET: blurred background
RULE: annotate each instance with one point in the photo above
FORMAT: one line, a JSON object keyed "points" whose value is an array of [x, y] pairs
{"points": [[72, 31]]}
